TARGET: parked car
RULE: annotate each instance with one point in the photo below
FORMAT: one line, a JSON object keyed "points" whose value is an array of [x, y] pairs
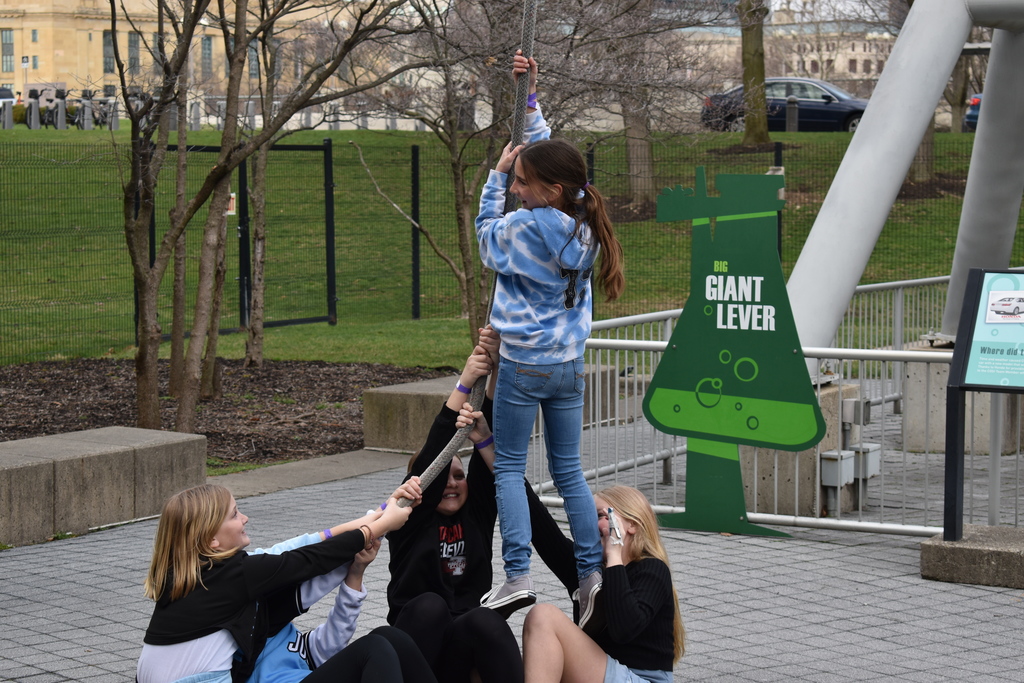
{"points": [[7, 96], [822, 106], [970, 123], [1008, 305]]}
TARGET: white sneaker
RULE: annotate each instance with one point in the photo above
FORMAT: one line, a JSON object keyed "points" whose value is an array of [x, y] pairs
{"points": [[511, 595], [592, 617]]}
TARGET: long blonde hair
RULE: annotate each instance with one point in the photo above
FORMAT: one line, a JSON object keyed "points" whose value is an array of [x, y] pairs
{"points": [[632, 505], [181, 550]]}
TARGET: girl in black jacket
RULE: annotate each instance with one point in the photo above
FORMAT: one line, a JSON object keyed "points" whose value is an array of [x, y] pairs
{"points": [[441, 559], [643, 634], [216, 605]]}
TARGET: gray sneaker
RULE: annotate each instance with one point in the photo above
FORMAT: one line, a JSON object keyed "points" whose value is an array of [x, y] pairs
{"points": [[507, 597], [592, 617]]}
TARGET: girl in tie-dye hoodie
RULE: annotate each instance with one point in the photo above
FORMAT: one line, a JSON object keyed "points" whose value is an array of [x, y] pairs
{"points": [[544, 257]]}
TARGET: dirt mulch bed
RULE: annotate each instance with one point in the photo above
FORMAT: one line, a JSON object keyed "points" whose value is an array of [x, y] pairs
{"points": [[286, 410]]}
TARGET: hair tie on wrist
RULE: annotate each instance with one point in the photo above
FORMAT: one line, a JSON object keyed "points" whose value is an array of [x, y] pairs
{"points": [[463, 389], [369, 537], [328, 534], [531, 100], [485, 443]]}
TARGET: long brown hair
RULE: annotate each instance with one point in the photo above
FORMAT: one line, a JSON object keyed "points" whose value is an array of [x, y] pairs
{"points": [[188, 523], [633, 505], [557, 162]]}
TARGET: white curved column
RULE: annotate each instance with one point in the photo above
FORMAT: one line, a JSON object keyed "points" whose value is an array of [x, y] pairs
{"points": [[869, 178], [995, 179]]}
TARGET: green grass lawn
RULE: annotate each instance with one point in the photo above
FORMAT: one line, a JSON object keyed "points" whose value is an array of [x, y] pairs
{"points": [[67, 279]]}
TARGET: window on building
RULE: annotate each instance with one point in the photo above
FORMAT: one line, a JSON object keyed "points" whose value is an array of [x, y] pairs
{"points": [[35, 35], [7, 50], [110, 91], [829, 65], [134, 60], [278, 57], [881, 64], [867, 66], [35, 62], [853, 66], [254, 61], [814, 66], [206, 57], [108, 53], [853, 47], [155, 48]]}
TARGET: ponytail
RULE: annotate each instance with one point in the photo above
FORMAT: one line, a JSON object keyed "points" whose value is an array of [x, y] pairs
{"points": [[557, 162], [594, 214]]}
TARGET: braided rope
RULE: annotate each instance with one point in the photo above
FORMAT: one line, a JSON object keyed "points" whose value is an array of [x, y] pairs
{"points": [[476, 397]]}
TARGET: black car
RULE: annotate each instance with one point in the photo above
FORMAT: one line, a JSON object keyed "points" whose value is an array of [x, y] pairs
{"points": [[7, 96], [822, 106]]}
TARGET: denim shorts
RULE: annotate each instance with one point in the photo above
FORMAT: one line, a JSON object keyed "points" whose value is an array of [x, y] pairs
{"points": [[615, 672]]}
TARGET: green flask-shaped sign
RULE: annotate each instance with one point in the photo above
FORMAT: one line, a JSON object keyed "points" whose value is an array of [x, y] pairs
{"points": [[733, 372]]}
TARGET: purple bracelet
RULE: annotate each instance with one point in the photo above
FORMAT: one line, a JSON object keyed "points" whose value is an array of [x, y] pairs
{"points": [[328, 534], [463, 389], [531, 100], [486, 442]]}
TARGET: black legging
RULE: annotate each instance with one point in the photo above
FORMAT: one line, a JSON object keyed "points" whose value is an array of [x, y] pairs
{"points": [[479, 639], [384, 655]]}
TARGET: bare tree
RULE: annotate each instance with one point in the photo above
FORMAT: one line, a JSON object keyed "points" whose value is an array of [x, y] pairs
{"points": [[623, 61], [240, 25]]}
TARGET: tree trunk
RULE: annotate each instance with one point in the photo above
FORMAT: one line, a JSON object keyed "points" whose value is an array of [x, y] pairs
{"points": [[178, 317], [257, 193], [210, 387], [956, 94], [185, 419], [751, 15], [638, 152], [923, 167], [147, 384], [180, 200]]}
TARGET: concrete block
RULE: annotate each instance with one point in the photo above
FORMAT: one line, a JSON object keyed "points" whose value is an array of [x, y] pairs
{"points": [[398, 417], [164, 462], [26, 483], [80, 480], [786, 481], [924, 412], [986, 556], [92, 487]]}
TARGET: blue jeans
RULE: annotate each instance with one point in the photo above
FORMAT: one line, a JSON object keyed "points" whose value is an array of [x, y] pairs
{"points": [[558, 390]]}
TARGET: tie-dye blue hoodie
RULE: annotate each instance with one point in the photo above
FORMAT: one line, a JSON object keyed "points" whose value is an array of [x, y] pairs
{"points": [[543, 302]]}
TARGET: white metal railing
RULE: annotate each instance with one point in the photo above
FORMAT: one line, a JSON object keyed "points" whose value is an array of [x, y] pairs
{"points": [[896, 456]]}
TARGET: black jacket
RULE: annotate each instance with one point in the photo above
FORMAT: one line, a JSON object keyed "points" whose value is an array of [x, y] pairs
{"points": [[251, 596]]}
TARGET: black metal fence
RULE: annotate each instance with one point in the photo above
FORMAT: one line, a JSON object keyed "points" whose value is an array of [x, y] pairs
{"points": [[67, 281]]}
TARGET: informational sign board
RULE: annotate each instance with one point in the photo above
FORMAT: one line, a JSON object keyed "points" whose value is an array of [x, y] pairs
{"points": [[989, 351]]}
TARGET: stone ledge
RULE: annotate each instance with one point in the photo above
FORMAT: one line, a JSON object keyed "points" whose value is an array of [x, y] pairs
{"points": [[70, 483], [985, 556]]}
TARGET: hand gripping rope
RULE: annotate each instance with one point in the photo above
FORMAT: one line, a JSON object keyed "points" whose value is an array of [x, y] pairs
{"points": [[476, 397]]}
